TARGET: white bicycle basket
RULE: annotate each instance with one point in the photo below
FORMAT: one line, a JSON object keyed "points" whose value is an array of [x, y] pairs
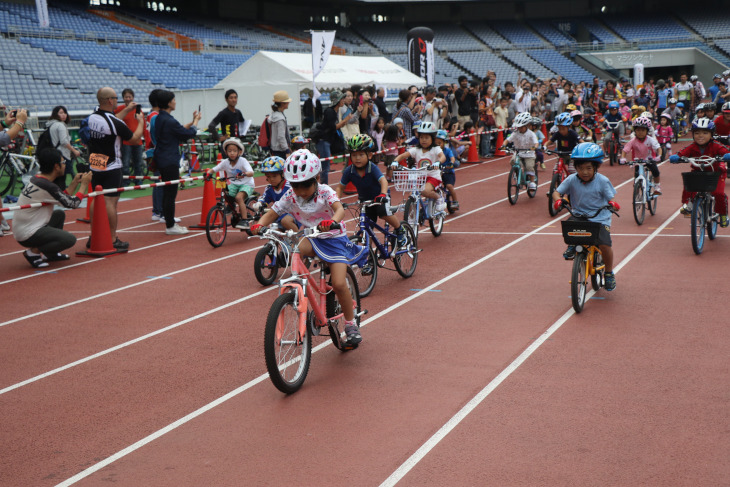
{"points": [[409, 180]]}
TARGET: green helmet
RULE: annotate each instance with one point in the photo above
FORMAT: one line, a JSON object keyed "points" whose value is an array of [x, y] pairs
{"points": [[360, 142]]}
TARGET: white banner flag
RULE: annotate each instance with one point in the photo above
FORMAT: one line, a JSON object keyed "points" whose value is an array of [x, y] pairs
{"points": [[322, 42], [42, 7]]}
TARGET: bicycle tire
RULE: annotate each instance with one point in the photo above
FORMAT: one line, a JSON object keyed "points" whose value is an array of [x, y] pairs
{"points": [[406, 260], [652, 198], [287, 353], [639, 205], [410, 214], [697, 225], [554, 183], [513, 185], [611, 152], [711, 223], [366, 282], [334, 308], [216, 227], [597, 276], [449, 203], [7, 177], [435, 223], [265, 265], [578, 284]]}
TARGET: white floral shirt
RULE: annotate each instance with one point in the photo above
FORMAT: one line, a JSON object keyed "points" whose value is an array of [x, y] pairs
{"points": [[312, 211]]}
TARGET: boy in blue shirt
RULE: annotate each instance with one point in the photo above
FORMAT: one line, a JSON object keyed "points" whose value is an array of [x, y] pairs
{"points": [[448, 176], [273, 169], [587, 192], [370, 183]]}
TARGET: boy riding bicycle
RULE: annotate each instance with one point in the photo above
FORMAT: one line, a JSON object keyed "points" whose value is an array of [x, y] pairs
{"points": [[565, 138], [524, 139], [587, 191], [240, 176], [370, 183], [315, 204], [614, 118], [273, 169], [448, 176]]}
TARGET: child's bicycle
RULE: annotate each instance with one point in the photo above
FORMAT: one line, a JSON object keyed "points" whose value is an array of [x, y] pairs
{"points": [[643, 191], [560, 172], [216, 223], [517, 178], [305, 306], [588, 261], [405, 258], [418, 209], [702, 183], [614, 143]]}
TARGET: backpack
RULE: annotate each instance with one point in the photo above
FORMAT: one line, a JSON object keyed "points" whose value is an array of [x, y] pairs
{"points": [[84, 131], [316, 132], [265, 133], [45, 141]]}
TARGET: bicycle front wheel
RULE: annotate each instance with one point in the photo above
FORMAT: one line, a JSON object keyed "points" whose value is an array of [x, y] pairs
{"points": [[266, 265], [554, 183], [405, 258], [711, 223], [639, 205], [513, 185], [532, 192], [450, 203], [578, 284], [652, 198], [597, 276], [216, 227], [287, 351], [436, 223], [7, 177], [698, 225], [411, 214]]}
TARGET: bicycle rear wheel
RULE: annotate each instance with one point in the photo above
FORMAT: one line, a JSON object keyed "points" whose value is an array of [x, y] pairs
{"points": [[405, 258], [216, 227], [698, 225], [597, 276], [554, 183], [334, 308], [287, 352], [513, 185], [652, 198], [266, 265], [578, 284], [7, 177], [450, 203], [368, 274], [639, 205]]}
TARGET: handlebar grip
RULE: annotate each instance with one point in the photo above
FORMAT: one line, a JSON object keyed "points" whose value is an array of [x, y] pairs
{"points": [[335, 226]]}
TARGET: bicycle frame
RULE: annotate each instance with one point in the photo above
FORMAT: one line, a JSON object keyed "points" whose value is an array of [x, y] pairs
{"points": [[366, 226]]}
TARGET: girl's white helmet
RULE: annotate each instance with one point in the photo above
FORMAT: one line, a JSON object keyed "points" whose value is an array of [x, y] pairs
{"points": [[642, 122], [427, 128], [301, 165], [522, 119], [647, 115], [233, 140]]}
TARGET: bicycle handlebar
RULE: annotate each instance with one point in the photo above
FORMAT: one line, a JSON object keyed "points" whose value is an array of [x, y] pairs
{"points": [[702, 162], [304, 232], [566, 205]]}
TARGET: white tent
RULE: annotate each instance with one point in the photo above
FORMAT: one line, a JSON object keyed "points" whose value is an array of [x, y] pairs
{"points": [[266, 72]]}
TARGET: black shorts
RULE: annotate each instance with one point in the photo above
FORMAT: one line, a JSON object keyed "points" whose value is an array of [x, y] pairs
{"points": [[373, 212], [107, 180], [448, 178]]}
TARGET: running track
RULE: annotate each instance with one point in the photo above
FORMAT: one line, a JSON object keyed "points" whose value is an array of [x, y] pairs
{"points": [[147, 368]]}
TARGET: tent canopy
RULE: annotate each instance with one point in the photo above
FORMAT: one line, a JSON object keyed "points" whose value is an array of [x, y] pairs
{"points": [[283, 68]]}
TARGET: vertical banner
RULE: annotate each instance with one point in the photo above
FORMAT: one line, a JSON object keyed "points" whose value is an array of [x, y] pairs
{"points": [[420, 53], [322, 42], [42, 7], [638, 74]]}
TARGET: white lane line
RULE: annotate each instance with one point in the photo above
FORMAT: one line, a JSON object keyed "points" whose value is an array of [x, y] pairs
{"points": [[455, 420]]}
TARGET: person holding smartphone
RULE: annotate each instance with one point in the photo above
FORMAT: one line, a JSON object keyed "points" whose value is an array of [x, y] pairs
{"points": [[132, 162]]}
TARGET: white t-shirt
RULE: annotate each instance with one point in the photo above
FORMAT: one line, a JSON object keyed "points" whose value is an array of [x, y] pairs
{"points": [[236, 171], [526, 141], [312, 211], [525, 104], [424, 158]]}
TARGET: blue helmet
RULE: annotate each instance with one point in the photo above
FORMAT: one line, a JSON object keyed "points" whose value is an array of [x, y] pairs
{"points": [[587, 151], [564, 119], [703, 123], [441, 134], [273, 164], [680, 105], [613, 104]]}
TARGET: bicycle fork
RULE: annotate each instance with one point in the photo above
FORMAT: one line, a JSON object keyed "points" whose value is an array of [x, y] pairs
{"points": [[301, 303]]}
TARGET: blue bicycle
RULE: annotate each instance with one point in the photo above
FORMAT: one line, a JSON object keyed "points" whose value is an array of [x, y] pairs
{"points": [[418, 209], [405, 258], [518, 178]]}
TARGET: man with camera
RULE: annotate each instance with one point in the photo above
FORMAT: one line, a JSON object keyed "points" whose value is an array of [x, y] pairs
{"points": [[436, 109], [131, 153], [466, 98]]}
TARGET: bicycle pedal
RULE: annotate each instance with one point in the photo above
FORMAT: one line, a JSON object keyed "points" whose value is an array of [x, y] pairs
{"points": [[361, 313]]}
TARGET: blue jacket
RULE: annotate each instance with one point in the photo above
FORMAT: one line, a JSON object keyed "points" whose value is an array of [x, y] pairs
{"points": [[168, 135]]}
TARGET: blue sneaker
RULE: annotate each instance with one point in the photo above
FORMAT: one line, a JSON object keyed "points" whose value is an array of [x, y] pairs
{"points": [[609, 281], [569, 253]]}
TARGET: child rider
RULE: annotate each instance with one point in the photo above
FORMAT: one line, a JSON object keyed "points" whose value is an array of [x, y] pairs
{"points": [[240, 176], [704, 145], [642, 146], [427, 153], [565, 138], [524, 139], [614, 118], [315, 204], [370, 183], [273, 169], [588, 191]]}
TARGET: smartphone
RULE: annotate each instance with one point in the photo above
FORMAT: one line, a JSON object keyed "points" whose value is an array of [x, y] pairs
{"points": [[14, 113], [198, 108], [138, 108]]}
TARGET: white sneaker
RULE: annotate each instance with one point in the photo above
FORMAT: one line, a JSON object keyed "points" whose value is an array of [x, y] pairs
{"points": [[5, 226], [440, 204], [156, 217], [162, 219], [531, 185], [176, 230]]}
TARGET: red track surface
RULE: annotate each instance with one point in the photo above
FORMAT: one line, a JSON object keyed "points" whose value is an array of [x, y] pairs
{"points": [[483, 378]]}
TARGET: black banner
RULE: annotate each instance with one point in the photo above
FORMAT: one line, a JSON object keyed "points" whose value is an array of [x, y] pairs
{"points": [[420, 53]]}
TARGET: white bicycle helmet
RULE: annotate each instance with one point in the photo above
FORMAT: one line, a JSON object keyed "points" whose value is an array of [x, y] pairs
{"points": [[427, 128], [726, 72], [233, 140], [647, 115], [672, 100], [693, 78], [642, 122], [726, 107], [521, 120], [301, 165]]}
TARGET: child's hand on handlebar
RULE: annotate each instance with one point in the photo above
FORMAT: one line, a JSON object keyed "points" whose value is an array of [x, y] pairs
{"points": [[381, 198], [256, 228], [558, 204], [325, 225]]}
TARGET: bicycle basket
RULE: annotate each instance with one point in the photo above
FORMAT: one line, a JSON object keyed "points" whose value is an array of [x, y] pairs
{"points": [[576, 232], [700, 181], [409, 180]]}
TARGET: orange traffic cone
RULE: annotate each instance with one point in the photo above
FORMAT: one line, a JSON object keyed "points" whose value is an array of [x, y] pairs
{"points": [[473, 155], [89, 200], [500, 142], [100, 243], [208, 203], [194, 166], [544, 131]]}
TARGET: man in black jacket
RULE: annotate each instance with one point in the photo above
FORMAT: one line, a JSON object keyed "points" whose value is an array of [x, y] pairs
{"points": [[230, 119], [380, 103]]}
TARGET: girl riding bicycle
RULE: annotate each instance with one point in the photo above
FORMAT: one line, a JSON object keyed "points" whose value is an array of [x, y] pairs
{"points": [[370, 183], [427, 153], [664, 134], [240, 174], [587, 192], [702, 132], [315, 204], [273, 169], [642, 146]]}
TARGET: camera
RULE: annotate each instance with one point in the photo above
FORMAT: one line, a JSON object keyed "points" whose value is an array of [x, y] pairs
{"points": [[138, 109]]}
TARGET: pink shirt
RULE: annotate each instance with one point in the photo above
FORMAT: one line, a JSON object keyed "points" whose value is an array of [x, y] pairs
{"points": [[641, 149]]}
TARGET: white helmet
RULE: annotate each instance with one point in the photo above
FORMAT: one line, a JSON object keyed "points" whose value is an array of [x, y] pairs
{"points": [[522, 119], [693, 77], [647, 115], [726, 72], [233, 140], [426, 128], [672, 100], [642, 122], [301, 165]]}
